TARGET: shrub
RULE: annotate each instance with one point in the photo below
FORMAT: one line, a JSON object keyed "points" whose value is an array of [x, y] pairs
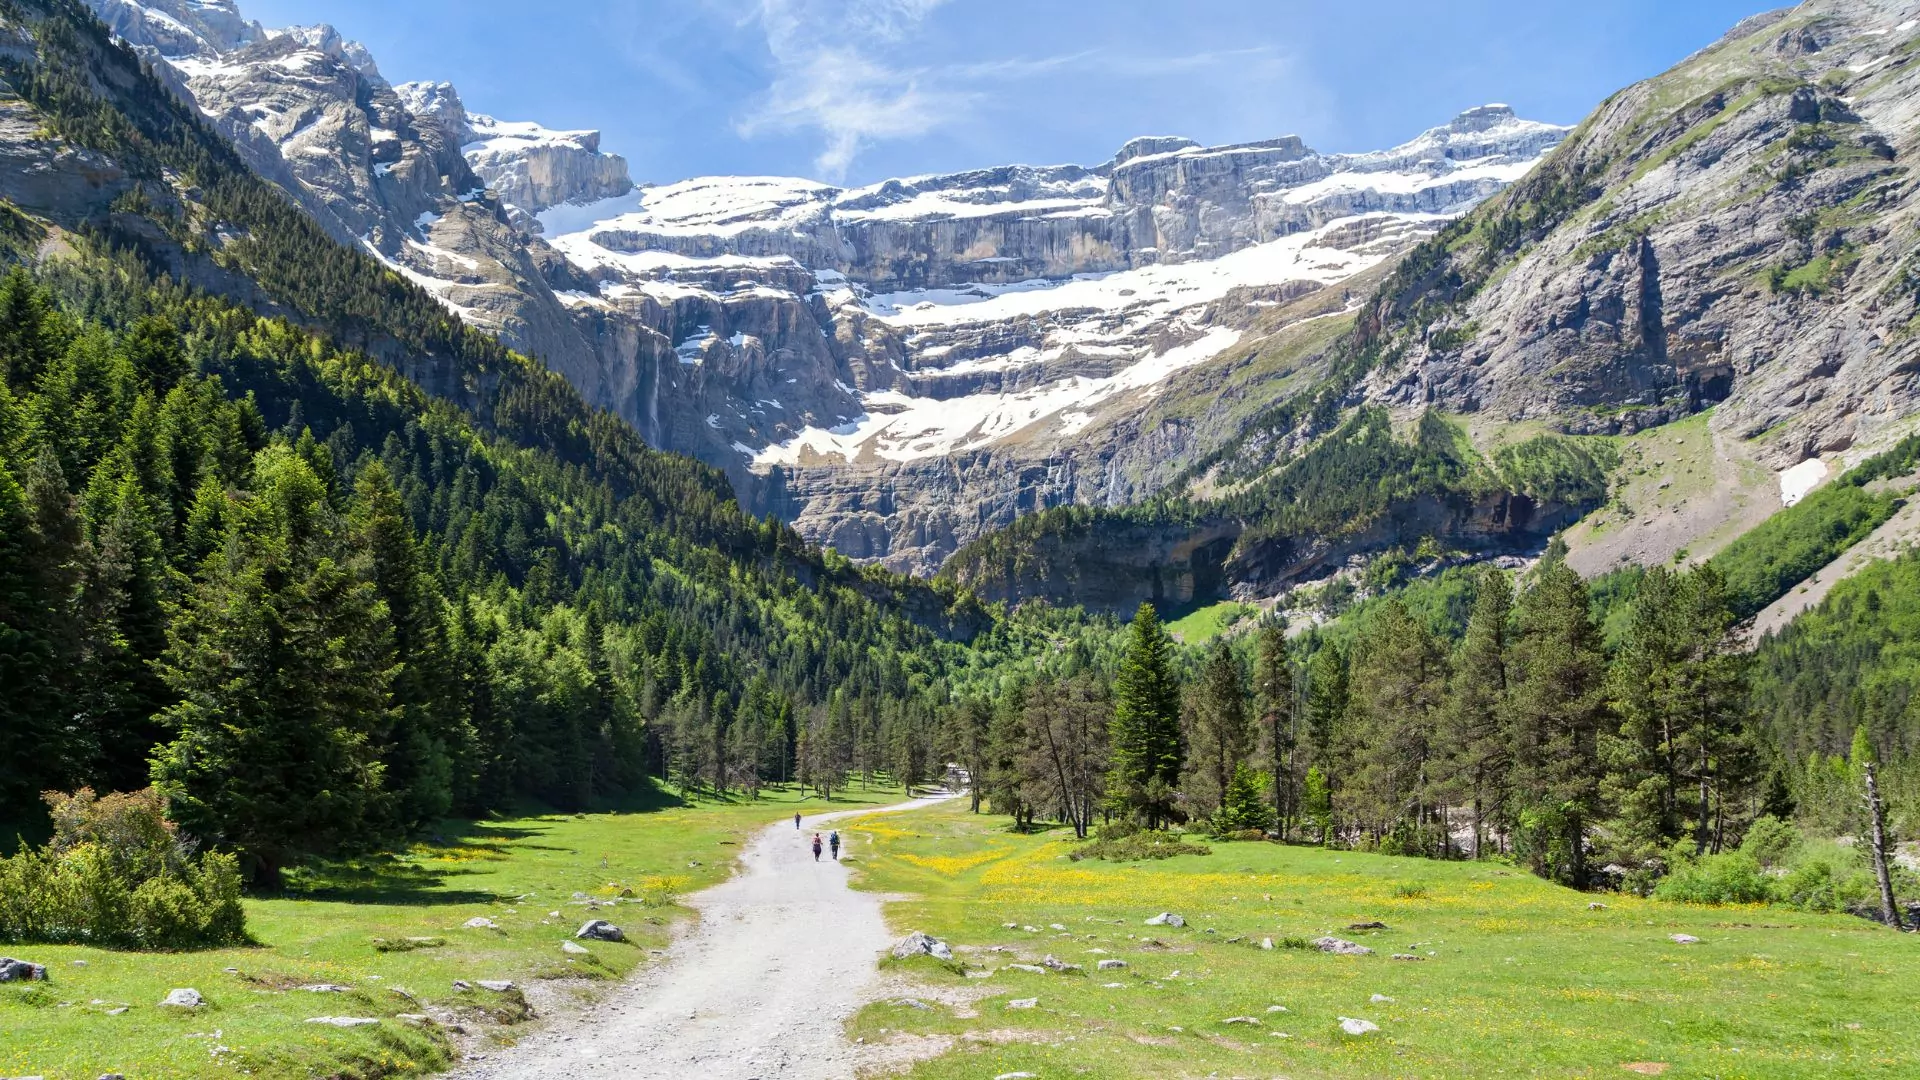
{"points": [[117, 874], [1732, 877], [1146, 844], [1772, 843], [1410, 890]]}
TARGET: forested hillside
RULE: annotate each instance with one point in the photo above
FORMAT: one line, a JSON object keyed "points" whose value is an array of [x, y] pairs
{"points": [[286, 539]]}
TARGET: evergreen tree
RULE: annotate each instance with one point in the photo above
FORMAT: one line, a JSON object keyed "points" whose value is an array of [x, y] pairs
{"points": [[1219, 735], [1398, 685], [1475, 741], [282, 660], [1274, 706], [1145, 736], [1244, 806], [1559, 707]]}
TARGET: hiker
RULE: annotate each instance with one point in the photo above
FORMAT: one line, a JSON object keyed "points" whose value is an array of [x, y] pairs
{"points": [[816, 847], [835, 841], [796, 821]]}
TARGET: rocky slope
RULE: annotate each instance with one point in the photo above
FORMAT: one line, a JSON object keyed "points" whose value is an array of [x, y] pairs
{"points": [[895, 367], [1738, 237]]}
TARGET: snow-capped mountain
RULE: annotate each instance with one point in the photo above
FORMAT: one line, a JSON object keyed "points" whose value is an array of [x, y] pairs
{"points": [[894, 367]]}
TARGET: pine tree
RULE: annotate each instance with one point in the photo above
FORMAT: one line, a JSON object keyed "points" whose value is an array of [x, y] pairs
{"points": [[1273, 702], [1244, 806], [1145, 736], [1477, 750], [1558, 706], [1398, 684], [1219, 736], [282, 659]]}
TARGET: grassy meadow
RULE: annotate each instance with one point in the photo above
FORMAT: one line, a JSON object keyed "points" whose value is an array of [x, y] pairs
{"points": [[1516, 976], [331, 928]]}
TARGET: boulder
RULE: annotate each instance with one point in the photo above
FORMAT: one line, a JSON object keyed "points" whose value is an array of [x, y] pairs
{"points": [[920, 944], [498, 986], [12, 970], [1112, 965], [1167, 918], [1031, 969], [1054, 963], [1353, 1026], [1340, 947], [576, 950], [481, 922], [1253, 1020], [1596, 906], [343, 1021], [1381, 999], [1685, 939], [1266, 943], [1023, 1003], [183, 998], [600, 930]]}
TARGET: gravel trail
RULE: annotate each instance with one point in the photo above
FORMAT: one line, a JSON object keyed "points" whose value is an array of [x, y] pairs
{"points": [[756, 990]]}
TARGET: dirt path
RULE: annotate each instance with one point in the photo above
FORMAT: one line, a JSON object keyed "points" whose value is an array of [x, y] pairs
{"points": [[756, 990]]}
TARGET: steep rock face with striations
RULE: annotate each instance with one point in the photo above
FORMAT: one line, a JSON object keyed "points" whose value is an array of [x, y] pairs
{"points": [[1739, 236], [895, 367]]}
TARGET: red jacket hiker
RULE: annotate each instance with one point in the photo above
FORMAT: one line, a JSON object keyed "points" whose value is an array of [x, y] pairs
{"points": [[816, 847]]}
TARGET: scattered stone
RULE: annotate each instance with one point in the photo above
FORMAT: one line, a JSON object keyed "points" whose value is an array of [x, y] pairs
{"points": [[1111, 965], [1167, 918], [1114, 986], [1031, 929], [920, 944], [1646, 1068], [326, 988], [1254, 1020], [577, 950], [1023, 1003], [1031, 969], [116, 1012], [343, 1021], [1685, 939], [1010, 926], [498, 986], [1016, 1076], [1266, 943], [1381, 999], [1374, 925], [1596, 906], [600, 930], [1340, 947], [1276, 1008], [913, 1003], [413, 1018], [1357, 1027], [12, 970], [1055, 926], [462, 984], [112, 1076], [1054, 963], [1408, 956], [79, 963], [1278, 1035], [183, 998], [481, 922]]}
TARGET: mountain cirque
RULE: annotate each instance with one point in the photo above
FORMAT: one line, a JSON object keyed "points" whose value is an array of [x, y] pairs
{"points": [[895, 367]]}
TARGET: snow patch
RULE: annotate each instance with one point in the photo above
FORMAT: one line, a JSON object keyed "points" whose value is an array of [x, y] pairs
{"points": [[1797, 481]]}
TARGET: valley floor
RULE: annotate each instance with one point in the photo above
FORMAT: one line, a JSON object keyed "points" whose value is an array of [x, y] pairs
{"points": [[1514, 977], [537, 879]]}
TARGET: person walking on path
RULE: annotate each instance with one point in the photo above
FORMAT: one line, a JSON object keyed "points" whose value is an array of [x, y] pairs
{"points": [[816, 847], [834, 839], [796, 821]]}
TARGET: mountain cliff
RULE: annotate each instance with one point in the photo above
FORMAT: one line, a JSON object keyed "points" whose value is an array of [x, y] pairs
{"points": [[894, 368], [1711, 284]]}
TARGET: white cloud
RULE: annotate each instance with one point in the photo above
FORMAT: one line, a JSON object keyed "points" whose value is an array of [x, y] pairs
{"points": [[832, 74]]}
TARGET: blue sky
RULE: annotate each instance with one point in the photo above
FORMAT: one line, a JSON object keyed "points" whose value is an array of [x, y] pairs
{"points": [[860, 90]]}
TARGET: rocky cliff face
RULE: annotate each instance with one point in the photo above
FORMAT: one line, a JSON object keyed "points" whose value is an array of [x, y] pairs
{"points": [[1744, 239], [895, 367]]}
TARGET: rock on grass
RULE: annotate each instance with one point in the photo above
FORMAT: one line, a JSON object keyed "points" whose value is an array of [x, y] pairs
{"points": [[1340, 947]]}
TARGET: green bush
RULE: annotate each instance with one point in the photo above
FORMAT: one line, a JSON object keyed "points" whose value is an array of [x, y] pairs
{"points": [[1772, 843], [1731, 877], [1146, 844], [116, 874]]}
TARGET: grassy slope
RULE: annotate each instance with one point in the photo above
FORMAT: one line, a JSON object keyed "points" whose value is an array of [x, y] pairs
{"points": [[513, 871], [1521, 978]]}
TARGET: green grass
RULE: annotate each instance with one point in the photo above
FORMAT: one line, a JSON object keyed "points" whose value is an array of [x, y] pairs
{"points": [[1519, 978], [1209, 621], [514, 871]]}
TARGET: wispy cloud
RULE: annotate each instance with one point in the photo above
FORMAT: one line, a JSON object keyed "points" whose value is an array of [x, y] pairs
{"points": [[840, 69], [832, 73]]}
